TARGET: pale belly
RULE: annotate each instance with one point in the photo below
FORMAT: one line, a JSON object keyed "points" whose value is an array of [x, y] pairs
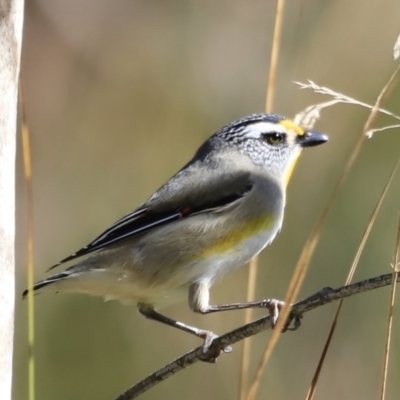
{"points": [[219, 264], [125, 285]]}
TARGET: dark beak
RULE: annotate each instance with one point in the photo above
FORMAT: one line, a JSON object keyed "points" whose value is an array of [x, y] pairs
{"points": [[312, 138]]}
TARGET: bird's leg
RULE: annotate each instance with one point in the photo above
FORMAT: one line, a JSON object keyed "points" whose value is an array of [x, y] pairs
{"points": [[199, 296], [272, 305], [149, 312]]}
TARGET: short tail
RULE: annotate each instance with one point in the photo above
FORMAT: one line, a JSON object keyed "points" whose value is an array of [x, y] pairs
{"points": [[45, 282]]}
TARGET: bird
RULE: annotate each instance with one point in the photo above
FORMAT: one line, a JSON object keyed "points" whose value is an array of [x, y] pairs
{"points": [[220, 210]]}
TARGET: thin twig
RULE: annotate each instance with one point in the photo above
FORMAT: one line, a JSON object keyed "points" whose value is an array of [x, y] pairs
{"points": [[325, 296]]}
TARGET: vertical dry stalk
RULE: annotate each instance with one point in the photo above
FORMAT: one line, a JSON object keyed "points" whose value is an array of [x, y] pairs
{"points": [[311, 391], [309, 247], [251, 285], [367, 128], [245, 362], [390, 317], [273, 66], [26, 151]]}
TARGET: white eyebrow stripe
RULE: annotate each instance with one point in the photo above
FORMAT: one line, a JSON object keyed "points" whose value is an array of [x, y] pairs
{"points": [[255, 130]]}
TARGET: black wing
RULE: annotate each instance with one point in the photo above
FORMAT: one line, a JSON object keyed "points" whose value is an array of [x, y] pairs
{"points": [[146, 218]]}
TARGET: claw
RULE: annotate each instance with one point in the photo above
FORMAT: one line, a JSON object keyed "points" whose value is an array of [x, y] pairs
{"points": [[227, 349], [296, 319], [207, 354]]}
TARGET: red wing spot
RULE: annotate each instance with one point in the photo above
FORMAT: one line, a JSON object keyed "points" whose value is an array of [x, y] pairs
{"points": [[185, 212]]}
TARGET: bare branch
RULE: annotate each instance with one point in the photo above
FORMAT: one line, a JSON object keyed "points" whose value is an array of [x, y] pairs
{"points": [[325, 296]]}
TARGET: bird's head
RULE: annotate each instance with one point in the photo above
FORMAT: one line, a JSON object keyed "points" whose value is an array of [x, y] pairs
{"points": [[271, 141]]}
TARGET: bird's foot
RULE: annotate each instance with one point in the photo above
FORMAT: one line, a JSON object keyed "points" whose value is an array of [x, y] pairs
{"points": [[274, 307], [210, 354], [294, 318]]}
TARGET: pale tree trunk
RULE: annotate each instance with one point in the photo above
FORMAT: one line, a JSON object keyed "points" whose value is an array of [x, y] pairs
{"points": [[11, 17]]}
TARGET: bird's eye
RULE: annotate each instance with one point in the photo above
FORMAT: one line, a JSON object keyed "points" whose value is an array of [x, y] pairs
{"points": [[273, 138]]}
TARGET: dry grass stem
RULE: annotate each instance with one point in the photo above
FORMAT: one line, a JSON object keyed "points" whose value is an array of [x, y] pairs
{"points": [[390, 317], [283, 315], [352, 158], [311, 114], [371, 132], [396, 48], [26, 151], [273, 66], [270, 95], [342, 98], [245, 362], [310, 245], [350, 276]]}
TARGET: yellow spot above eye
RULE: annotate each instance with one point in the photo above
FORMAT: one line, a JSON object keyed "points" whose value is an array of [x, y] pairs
{"points": [[291, 126]]}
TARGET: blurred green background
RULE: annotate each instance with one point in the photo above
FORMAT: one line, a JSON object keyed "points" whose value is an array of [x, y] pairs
{"points": [[119, 94]]}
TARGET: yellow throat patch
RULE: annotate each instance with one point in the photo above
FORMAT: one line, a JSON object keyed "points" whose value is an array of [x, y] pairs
{"points": [[294, 130]]}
